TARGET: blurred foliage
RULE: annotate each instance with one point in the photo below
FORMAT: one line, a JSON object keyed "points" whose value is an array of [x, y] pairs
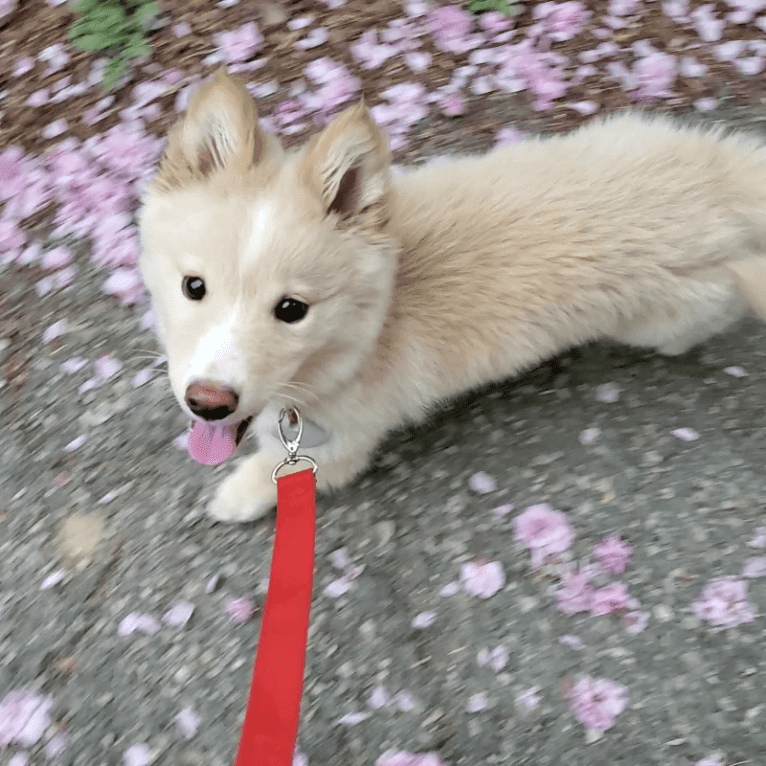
{"points": [[116, 28], [501, 6]]}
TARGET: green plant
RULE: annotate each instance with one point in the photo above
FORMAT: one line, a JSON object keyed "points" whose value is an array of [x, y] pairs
{"points": [[501, 6], [116, 28]]}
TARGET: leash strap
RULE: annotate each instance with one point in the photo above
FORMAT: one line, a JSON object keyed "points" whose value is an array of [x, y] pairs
{"points": [[271, 720]]}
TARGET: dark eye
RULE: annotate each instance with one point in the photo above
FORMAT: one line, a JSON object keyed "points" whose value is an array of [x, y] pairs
{"points": [[193, 288], [290, 310]]}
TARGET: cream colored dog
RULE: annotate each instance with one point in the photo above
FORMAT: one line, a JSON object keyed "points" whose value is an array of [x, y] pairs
{"points": [[314, 278]]}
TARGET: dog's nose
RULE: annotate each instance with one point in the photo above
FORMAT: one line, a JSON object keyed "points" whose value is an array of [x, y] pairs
{"points": [[210, 401]]}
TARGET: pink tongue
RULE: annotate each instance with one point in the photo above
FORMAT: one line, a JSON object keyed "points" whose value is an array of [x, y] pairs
{"points": [[210, 444]]}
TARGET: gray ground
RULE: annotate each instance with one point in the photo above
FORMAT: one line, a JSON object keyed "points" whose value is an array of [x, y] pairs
{"points": [[688, 509]]}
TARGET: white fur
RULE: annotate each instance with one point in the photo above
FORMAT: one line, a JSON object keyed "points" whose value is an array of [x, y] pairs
{"points": [[217, 358], [263, 218]]}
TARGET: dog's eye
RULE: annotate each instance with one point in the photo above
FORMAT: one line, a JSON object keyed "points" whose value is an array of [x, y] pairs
{"points": [[193, 288], [290, 310]]}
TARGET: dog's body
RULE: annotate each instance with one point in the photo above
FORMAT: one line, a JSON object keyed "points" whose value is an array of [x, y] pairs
{"points": [[419, 288]]}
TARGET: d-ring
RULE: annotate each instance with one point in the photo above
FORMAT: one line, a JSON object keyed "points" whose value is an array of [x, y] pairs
{"points": [[292, 461]]}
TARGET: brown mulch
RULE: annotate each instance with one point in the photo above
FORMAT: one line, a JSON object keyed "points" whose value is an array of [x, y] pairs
{"points": [[37, 25]]}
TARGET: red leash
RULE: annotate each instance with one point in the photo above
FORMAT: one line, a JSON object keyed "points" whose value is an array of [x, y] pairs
{"points": [[271, 720]]}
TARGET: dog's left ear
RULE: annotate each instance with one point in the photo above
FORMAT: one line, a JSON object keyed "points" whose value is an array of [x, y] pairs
{"points": [[348, 165]]}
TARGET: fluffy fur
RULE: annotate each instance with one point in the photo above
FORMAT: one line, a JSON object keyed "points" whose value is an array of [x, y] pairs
{"points": [[420, 287]]}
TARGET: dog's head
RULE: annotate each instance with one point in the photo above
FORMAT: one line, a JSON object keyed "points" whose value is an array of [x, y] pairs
{"points": [[270, 271]]}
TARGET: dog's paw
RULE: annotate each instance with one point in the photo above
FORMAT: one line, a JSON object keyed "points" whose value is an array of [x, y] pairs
{"points": [[243, 496]]}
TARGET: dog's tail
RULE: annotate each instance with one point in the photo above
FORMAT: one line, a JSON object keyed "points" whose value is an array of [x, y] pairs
{"points": [[750, 277]]}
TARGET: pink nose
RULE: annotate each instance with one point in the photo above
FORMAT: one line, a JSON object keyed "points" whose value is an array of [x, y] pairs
{"points": [[210, 401]]}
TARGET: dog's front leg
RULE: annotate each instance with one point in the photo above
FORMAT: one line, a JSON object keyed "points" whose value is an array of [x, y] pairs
{"points": [[248, 493]]}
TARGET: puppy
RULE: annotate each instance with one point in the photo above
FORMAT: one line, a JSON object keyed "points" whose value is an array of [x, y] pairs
{"points": [[313, 278]]}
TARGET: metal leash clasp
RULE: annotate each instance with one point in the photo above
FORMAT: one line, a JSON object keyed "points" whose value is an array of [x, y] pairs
{"points": [[291, 445]]}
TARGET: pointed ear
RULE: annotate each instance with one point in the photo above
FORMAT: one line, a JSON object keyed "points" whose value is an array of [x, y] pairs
{"points": [[219, 130], [348, 164]]}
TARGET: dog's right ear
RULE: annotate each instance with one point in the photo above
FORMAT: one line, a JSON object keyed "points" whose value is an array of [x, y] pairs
{"points": [[220, 131]]}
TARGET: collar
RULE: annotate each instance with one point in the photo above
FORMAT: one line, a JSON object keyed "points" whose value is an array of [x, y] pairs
{"points": [[313, 435]]}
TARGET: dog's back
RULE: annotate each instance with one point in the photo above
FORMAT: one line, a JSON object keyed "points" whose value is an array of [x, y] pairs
{"points": [[626, 229]]}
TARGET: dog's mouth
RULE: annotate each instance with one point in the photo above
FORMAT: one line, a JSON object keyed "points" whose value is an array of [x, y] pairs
{"points": [[212, 443]]}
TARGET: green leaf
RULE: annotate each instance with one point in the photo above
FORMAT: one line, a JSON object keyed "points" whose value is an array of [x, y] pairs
{"points": [[92, 42], [108, 18], [137, 51], [147, 11], [112, 72]]}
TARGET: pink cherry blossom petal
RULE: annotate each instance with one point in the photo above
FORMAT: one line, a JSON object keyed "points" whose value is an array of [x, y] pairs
{"points": [[378, 697], [611, 598], [55, 128], [56, 746], [496, 658], [417, 61], [73, 365], [179, 614], [76, 443], [23, 65], [340, 559], [138, 622], [613, 553], [143, 376], [545, 531], [575, 593], [404, 701], [482, 483], [450, 589], [724, 603], [137, 755], [313, 39], [55, 330], [338, 587], [589, 435], [754, 567], [106, 367], [597, 702], [528, 699], [423, 620], [509, 136], [482, 579], [405, 758], [759, 538], [501, 511], [352, 719], [705, 104], [635, 621], [240, 44], [54, 578], [476, 703], [24, 717], [573, 642], [188, 722], [239, 610], [608, 393], [685, 434], [585, 107]]}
